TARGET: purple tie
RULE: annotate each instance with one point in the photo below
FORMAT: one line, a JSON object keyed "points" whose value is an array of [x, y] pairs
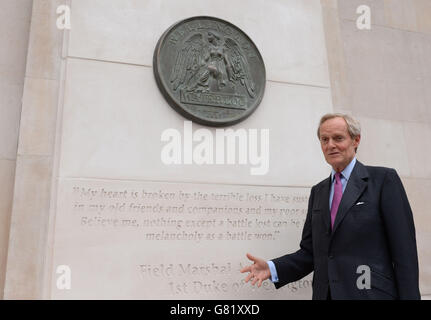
{"points": [[338, 193]]}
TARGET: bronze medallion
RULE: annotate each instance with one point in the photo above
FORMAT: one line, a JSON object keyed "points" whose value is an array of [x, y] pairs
{"points": [[209, 71]]}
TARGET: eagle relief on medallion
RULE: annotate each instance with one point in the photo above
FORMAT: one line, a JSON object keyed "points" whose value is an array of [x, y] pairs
{"points": [[209, 68], [209, 71]]}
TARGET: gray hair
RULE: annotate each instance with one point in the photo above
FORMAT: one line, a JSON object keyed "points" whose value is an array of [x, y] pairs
{"points": [[353, 125]]}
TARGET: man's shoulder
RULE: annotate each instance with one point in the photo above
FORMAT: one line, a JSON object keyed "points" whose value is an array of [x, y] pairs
{"points": [[378, 171], [374, 172], [321, 183]]}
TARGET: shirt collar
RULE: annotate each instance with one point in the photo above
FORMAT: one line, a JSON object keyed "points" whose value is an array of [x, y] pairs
{"points": [[347, 170]]}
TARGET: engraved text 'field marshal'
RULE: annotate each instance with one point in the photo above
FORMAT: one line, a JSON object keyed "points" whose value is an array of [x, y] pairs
{"points": [[209, 71]]}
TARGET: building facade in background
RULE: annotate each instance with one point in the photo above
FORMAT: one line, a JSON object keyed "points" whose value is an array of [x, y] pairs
{"points": [[88, 207]]}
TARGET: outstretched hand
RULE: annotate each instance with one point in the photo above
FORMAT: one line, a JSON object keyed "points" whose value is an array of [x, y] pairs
{"points": [[258, 271]]}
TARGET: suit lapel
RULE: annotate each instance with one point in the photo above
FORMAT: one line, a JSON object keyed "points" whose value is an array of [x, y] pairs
{"points": [[324, 202], [355, 187]]}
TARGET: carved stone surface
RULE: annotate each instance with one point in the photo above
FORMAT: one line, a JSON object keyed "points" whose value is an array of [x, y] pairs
{"points": [[209, 71], [157, 240]]}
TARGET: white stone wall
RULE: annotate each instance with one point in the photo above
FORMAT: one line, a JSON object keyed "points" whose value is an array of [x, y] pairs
{"points": [[28, 240], [15, 18], [382, 76], [112, 120]]}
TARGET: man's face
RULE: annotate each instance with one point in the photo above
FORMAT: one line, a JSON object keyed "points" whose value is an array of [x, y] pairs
{"points": [[337, 145]]}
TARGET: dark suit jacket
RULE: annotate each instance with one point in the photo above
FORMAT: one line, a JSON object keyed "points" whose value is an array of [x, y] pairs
{"points": [[373, 227]]}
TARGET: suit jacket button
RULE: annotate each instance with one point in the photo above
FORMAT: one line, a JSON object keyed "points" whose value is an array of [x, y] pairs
{"points": [[331, 257]]}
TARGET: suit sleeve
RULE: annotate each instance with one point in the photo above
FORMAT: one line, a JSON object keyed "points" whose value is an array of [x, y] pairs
{"points": [[400, 231], [295, 266]]}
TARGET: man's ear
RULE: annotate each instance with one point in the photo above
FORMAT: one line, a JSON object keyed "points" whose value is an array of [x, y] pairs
{"points": [[356, 140]]}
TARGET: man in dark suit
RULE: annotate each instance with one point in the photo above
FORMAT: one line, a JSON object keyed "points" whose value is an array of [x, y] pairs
{"points": [[359, 235]]}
